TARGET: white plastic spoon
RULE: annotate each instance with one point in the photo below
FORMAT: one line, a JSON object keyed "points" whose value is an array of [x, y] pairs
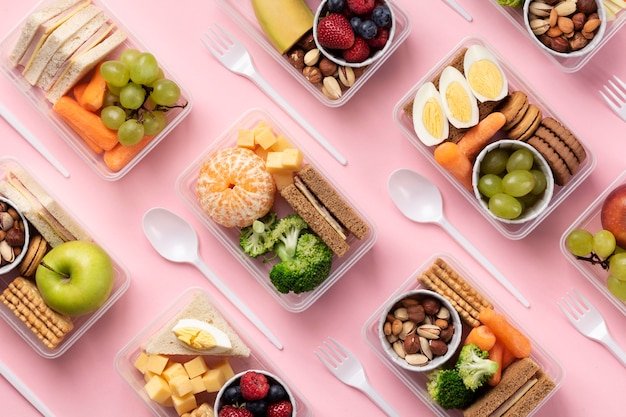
{"points": [[420, 200], [176, 240], [24, 390]]}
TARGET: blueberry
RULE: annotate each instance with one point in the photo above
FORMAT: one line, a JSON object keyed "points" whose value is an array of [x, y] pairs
{"points": [[276, 392], [232, 394], [336, 6], [368, 29], [381, 15], [355, 22], [257, 407]]}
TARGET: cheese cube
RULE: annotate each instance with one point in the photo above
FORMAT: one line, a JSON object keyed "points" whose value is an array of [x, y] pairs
{"points": [[174, 370], [265, 138], [158, 389], [281, 144], [147, 375], [184, 404], [141, 363], [225, 367], [180, 385], [282, 179], [195, 367], [213, 380], [157, 363], [245, 139], [262, 125], [292, 159], [274, 162], [261, 152], [197, 385]]}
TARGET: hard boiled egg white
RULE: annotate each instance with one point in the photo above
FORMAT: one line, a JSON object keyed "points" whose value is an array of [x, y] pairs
{"points": [[458, 100], [429, 118], [202, 336], [484, 74]]}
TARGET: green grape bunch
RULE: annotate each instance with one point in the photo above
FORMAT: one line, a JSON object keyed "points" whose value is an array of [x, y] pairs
{"points": [[138, 96]]}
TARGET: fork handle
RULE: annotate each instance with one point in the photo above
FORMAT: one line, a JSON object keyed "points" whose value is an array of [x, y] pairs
{"points": [[378, 400], [278, 99], [616, 349]]}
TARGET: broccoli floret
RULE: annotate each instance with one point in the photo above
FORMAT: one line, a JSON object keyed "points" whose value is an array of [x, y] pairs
{"points": [[512, 3], [306, 269], [446, 387], [285, 235], [474, 366], [258, 239]]}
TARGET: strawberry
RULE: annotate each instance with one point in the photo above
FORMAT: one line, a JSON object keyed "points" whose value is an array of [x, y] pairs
{"points": [[359, 52], [361, 6], [280, 409], [232, 411], [380, 40], [254, 386], [334, 32]]}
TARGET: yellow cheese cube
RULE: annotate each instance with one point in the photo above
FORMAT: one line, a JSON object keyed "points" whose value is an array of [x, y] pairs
{"points": [[173, 370], [260, 126], [197, 385], [282, 179], [141, 363], [213, 380], [292, 159], [180, 385], [245, 139], [195, 367], [158, 389], [157, 363], [281, 144], [265, 138], [225, 367], [274, 162], [184, 404], [261, 152]]}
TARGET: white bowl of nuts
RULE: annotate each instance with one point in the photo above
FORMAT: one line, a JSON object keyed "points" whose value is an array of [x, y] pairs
{"points": [[14, 236], [565, 28], [420, 330]]}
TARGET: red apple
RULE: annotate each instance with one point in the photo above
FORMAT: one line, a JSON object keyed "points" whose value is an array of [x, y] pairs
{"points": [[613, 214]]}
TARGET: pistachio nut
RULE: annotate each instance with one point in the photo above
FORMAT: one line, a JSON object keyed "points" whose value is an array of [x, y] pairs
{"points": [[429, 331], [566, 8], [539, 26], [539, 9], [6, 251], [312, 57], [346, 76], [425, 348], [416, 359], [331, 88], [398, 347]]}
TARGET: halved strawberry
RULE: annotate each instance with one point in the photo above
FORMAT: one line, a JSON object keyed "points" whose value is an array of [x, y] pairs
{"points": [[359, 52], [334, 32]]}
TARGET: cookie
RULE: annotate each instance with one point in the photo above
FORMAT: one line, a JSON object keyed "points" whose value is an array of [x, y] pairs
{"points": [[564, 152], [566, 136], [559, 169], [513, 107], [37, 248], [528, 124]]}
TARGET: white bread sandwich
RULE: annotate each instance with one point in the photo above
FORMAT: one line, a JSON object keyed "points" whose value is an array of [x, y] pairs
{"points": [[83, 63], [200, 308], [39, 25], [51, 220], [62, 34]]}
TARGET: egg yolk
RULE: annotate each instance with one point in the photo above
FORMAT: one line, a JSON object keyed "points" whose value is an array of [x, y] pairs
{"points": [[485, 78], [433, 117], [458, 102]]}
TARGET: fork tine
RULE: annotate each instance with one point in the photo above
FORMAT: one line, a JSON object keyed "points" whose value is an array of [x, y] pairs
{"points": [[219, 42], [620, 82], [325, 359], [618, 90], [608, 101], [338, 349]]}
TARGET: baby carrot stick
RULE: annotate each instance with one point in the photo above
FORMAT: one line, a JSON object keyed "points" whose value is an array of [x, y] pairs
{"points": [[450, 157], [79, 90], [482, 336], [87, 124], [477, 136], [120, 155], [496, 354], [507, 358], [93, 95], [511, 337]]}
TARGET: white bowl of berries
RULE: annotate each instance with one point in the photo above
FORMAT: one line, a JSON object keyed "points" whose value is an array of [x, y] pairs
{"points": [[259, 392], [353, 33]]}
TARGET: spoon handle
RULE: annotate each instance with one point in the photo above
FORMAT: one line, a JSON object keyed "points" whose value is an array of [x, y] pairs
{"points": [[24, 390], [236, 301], [471, 249]]}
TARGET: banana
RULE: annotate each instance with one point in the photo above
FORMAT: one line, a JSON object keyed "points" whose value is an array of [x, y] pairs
{"points": [[284, 22]]}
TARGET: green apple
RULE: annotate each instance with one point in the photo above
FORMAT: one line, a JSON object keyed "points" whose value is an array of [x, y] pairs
{"points": [[75, 277]]}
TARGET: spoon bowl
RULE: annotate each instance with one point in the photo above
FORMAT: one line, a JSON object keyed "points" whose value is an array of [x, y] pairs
{"points": [[420, 200], [176, 240]]}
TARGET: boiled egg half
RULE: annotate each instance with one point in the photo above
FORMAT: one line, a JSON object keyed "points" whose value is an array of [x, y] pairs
{"points": [[429, 118], [458, 100], [484, 74], [202, 336]]}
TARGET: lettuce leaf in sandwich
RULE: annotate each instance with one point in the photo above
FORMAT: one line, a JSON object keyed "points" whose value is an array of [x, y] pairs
{"points": [[512, 3]]}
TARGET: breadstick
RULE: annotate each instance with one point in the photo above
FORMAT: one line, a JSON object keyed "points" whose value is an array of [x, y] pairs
{"points": [[462, 287]]}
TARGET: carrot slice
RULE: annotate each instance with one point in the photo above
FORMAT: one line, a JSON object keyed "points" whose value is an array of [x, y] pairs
{"points": [[450, 157], [482, 336], [93, 95], [118, 157], [475, 139], [511, 337], [496, 354]]}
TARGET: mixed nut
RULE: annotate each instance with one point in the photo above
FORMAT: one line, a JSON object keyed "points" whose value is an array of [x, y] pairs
{"points": [[564, 26], [419, 329], [12, 234], [332, 79]]}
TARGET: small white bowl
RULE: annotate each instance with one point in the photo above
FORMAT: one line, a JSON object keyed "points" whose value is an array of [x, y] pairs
{"points": [[536, 209], [235, 380], [322, 10], [597, 39], [437, 361], [10, 266]]}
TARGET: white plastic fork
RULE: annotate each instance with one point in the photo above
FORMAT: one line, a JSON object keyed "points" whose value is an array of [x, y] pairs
{"points": [[348, 369], [615, 96], [589, 321], [233, 55]]}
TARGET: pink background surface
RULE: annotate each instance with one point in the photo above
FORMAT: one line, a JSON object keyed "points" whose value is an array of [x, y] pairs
{"points": [[84, 380]]}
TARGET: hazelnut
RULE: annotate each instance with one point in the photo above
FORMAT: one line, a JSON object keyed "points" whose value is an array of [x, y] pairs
{"points": [[296, 58], [327, 66], [579, 20], [447, 333], [307, 42], [587, 6], [313, 74], [578, 41], [416, 313], [412, 344], [438, 347], [559, 44], [431, 306], [15, 237]]}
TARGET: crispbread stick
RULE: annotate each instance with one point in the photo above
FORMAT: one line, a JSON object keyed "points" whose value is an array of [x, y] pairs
{"points": [[462, 287], [430, 280]]}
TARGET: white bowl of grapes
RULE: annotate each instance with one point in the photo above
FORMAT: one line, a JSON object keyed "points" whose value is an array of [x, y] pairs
{"points": [[512, 181]]}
